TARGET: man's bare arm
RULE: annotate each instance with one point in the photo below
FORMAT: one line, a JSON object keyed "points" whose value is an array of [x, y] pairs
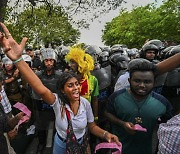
{"points": [[168, 64]]}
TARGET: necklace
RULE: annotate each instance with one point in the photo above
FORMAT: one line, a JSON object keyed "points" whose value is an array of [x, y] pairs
{"points": [[139, 105]]}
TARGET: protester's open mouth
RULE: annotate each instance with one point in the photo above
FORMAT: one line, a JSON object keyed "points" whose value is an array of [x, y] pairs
{"points": [[141, 91], [76, 94]]}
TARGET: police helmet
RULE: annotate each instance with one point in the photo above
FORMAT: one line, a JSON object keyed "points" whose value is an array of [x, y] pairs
{"points": [[116, 48], [165, 52], [37, 52], [147, 47], [27, 59], [104, 56], [93, 50], [118, 60], [48, 53], [159, 44], [174, 51], [131, 52], [105, 49], [63, 50], [29, 48], [6, 60]]}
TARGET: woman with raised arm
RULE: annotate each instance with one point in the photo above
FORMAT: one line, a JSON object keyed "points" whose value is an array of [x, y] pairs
{"points": [[67, 100]]}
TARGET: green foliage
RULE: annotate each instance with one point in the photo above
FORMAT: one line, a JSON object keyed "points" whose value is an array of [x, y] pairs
{"points": [[142, 23], [84, 12], [43, 27]]}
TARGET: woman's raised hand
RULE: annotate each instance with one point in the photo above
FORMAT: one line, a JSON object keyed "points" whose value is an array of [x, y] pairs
{"points": [[10, 47]]}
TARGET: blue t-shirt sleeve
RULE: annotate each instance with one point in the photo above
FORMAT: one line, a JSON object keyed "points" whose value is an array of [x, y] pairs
{"points": [[110, 104], [168, 115]]}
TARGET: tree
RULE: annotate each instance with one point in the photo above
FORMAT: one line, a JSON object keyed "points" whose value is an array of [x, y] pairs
{"points": [[170, 23], [134, 27], [3, 4], [90, 9], [42, 27]]}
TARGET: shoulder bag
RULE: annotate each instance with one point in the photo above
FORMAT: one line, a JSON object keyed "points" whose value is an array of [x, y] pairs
{"points": [[72, 145]]}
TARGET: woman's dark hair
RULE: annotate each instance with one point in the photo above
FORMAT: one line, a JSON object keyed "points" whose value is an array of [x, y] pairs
{"points": [[63, 78]]}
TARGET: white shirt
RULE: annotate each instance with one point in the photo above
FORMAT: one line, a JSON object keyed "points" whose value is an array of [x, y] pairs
{"points": [[5, 101], [79, 121], [122, 82]]}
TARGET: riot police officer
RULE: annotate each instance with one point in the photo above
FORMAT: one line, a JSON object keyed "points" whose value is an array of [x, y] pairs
{"points": [[149, 52], [12, 83], [119, 63], [36, 62], [171, 89], [49, 77]]}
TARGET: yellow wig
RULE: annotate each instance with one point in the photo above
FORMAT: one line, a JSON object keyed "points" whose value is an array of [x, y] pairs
{"points": [[85, 61]]}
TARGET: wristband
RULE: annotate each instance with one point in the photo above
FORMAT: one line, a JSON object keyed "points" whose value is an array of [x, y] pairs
{"points": [[104, 134], [17, 60]]}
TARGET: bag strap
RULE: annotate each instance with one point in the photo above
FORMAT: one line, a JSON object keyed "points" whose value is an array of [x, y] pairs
{"points": [[69, 121], [70, 128], [106, 145], [68, 115]]}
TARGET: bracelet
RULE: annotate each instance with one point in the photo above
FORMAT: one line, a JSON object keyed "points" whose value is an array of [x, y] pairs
{"points": [[104, 134], [17, 60]]}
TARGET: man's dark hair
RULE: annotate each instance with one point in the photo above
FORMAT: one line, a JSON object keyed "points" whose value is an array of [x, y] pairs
{"points": [[143, 66], [29, 48]]}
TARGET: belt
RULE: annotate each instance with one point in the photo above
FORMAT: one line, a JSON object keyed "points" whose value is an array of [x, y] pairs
{"points": [[64, 140]]}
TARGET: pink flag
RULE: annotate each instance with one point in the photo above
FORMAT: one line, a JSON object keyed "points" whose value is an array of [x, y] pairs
{"points": [[139, 128], [22, 108], [25, 110]]}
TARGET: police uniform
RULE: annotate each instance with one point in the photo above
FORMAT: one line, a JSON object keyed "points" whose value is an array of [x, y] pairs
{"points": [[45, 113]]}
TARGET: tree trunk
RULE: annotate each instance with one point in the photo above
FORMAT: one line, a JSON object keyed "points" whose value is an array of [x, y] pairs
{"points": [[3, 4]]}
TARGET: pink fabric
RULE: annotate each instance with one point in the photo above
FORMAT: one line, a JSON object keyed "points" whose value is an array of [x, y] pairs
{"points": [[106, 145], [22, 108], [139, 128], [25, 110], [24, 119]]}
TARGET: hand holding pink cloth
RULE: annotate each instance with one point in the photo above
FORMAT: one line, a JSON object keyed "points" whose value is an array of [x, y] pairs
{"points": [[139, 128], [107, 145], [25, 110], [22, 108]]}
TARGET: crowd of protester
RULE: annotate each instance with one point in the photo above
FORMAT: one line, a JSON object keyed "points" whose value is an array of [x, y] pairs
{"points": [[106, 90]]}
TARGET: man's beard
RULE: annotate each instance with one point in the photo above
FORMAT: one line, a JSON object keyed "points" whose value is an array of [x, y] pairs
{"points": [[139, 95], [49, 68]]}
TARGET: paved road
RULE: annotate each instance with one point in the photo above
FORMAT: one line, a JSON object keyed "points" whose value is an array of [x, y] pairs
{"points": [[33, 147]]}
